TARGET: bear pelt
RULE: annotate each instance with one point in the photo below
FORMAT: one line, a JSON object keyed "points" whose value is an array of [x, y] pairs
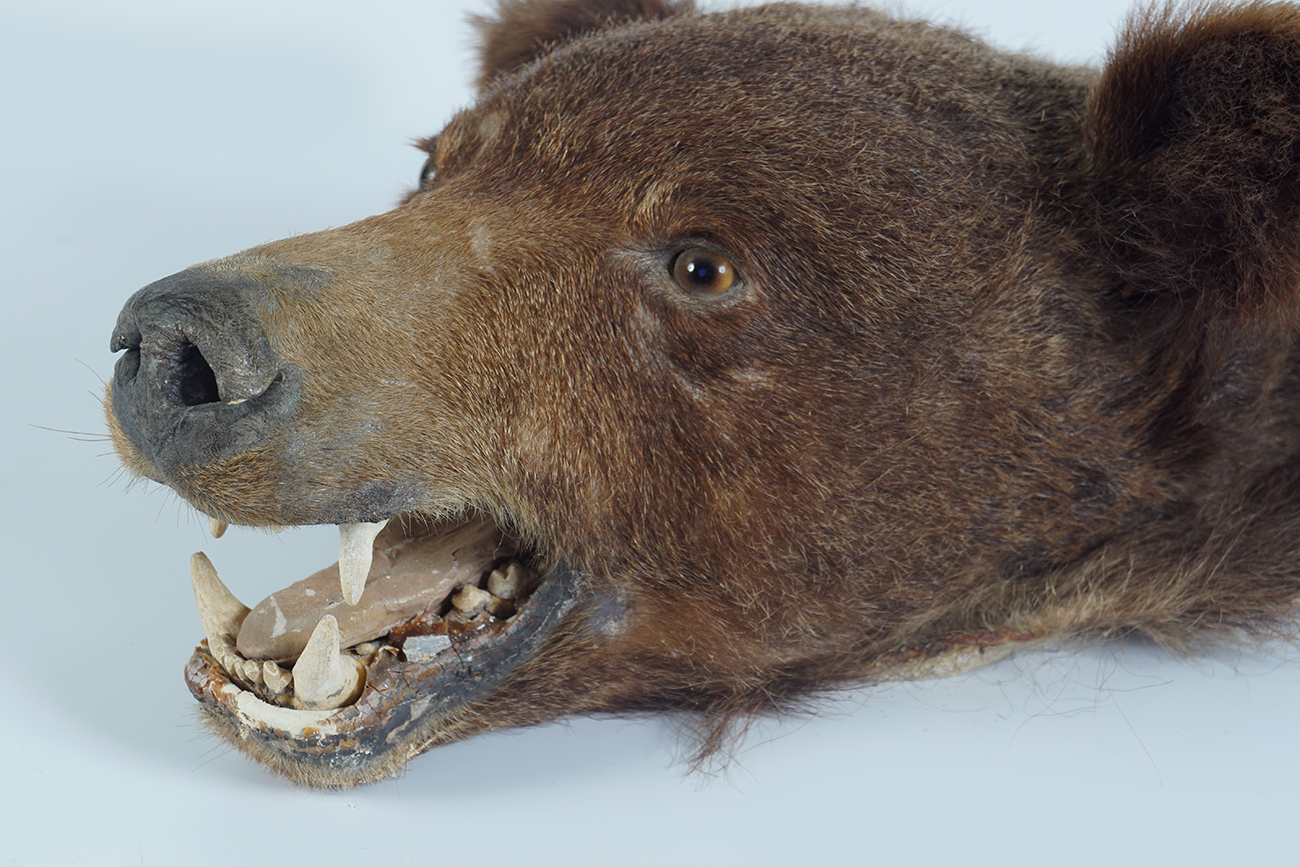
{"points": [[778, 349]]}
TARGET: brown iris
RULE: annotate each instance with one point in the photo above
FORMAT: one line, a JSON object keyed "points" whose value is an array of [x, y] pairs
{"points": [[701, 271]]}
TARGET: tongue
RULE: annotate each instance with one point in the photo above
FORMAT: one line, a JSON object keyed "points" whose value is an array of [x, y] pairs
{"points": [[412, 571]]}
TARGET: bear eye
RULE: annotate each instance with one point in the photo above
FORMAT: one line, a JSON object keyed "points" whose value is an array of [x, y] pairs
{"points": [[426, 173], [701, 271]]}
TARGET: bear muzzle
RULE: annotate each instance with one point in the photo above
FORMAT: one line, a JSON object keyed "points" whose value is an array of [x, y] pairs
{"points": [[339, 678]]}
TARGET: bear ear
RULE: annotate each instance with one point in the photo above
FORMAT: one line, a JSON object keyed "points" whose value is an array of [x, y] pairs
{"points": [[523, 30], [1194, 135]]}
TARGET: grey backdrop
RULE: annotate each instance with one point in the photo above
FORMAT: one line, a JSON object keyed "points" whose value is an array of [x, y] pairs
{"points": [[145, 135]]}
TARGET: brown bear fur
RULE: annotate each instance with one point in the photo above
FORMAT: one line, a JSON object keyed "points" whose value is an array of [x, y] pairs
{"points": [[1010, 356]]}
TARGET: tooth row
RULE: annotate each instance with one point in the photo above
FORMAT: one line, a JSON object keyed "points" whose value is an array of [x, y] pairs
{"points": [[356, 551], [504, 586], [323, 678]]}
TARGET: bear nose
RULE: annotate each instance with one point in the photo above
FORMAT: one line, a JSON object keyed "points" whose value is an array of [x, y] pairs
{"points": [[198, 381]]}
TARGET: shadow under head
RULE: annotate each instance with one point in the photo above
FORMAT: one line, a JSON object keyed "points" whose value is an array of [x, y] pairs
{"points": [[722, 359]]}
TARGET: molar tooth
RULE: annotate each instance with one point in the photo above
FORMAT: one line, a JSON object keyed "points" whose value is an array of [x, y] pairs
{"points": [[508, 584], [469, 599], [219, 611], [323, 678], [356, 550], [217, 526]]}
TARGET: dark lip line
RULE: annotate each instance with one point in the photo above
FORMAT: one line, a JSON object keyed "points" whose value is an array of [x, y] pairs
{"points": [[401, 698]]}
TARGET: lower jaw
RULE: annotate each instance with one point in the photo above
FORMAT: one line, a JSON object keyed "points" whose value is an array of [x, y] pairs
{"points": [[407, 705]]}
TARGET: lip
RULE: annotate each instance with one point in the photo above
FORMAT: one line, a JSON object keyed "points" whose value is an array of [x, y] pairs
{"points": [[413, 689]]}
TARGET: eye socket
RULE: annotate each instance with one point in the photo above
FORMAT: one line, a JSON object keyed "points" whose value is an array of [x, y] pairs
{"points": [[701, 271], [426, 173]]}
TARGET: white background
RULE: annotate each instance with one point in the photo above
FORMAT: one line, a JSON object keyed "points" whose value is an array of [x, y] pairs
{"points": [[143, 136]]}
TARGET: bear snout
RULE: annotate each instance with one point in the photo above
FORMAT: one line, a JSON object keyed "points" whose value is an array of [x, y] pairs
{"points": [[198, 380]]}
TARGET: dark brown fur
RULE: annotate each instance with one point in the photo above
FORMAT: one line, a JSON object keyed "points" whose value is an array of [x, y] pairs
{"points": [[1011, 359]]}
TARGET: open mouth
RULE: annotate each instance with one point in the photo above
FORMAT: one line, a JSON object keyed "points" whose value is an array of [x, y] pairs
{"points": [[355, 665], [339, 678]]}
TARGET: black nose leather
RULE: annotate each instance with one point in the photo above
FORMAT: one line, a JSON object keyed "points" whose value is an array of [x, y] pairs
{"points": [[198, 381]]}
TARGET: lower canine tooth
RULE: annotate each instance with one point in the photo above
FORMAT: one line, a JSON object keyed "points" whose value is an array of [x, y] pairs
{"points": [[219, 611], [323, 678], [356, 551]]}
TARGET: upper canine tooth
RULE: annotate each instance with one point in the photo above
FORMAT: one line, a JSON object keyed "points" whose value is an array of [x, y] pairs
{"points": [[323, 678], [356, 551], [219, 611], [218, 527]]}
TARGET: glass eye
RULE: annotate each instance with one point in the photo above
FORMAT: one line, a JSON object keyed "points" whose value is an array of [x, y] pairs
{"points": [[426, 173], [700, 271]]}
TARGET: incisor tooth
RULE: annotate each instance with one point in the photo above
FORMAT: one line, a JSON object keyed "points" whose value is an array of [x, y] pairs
{"points": [[356, 550], [323, 678], [252, 670], [219, 611], [275, 677], [217, 527]]}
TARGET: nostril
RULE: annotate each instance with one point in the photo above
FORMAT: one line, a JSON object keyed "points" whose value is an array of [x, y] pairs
{"points": [[196, 380], [128, 366]]}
